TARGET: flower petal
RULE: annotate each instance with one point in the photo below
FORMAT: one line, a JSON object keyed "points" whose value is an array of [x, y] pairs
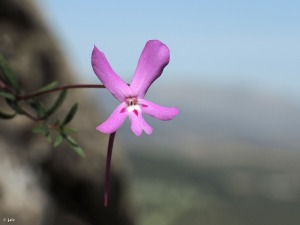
{"points": [[146, 127], [157, 111], [115, 120], [138, 124], [108, 77], [152, 62]]}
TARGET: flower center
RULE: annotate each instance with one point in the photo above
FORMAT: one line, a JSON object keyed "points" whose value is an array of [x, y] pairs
{"points": [[131, 101], [133, 106]]}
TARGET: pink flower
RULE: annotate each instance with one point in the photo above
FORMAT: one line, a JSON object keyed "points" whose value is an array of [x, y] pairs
{"points": [[152, 62]]}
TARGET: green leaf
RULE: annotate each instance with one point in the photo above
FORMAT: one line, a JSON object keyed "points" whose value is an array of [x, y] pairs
{"points": [[9, 75], [40, 129], [58, 140], [49, 138], [70, 114], [7, 95], [47, 87], [57, 103], [73, 144], [6, 116], [78, 150], [14, 105], [39, 108], [68, 131], [70, 140]]}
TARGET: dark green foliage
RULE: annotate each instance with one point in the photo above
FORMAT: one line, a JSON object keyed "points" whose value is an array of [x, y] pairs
{"points": [[40, 129], [10, 90], [7, 95], [68, 131], [58, 140], [6, 116], [57, 103], [70, 114], [47, 87], [9, 76], [14, 105], [63, 132], [39, 108], [73, 144], [49, 138]]}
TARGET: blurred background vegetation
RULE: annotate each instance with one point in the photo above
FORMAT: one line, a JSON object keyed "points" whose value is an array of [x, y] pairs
{"points": [[232, 155]]}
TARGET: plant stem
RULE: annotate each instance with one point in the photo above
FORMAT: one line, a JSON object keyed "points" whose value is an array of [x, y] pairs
{"points": [[107, 169], [3, 85], [65, 87], [31, 116], [6, 87]]}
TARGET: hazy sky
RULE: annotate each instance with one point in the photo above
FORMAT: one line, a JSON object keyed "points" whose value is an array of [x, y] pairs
{"points": [[235, 42]]}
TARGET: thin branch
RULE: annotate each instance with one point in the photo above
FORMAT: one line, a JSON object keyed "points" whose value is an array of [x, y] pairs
{"points": [[3, 85], [107, 169], [6, 87], [30, 116], [65, 87]]}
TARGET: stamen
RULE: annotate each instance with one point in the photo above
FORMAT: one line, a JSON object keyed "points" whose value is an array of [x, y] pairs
{"points": [[131, 101]]}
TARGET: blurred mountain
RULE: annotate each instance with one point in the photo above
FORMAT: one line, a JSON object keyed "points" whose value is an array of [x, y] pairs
{"points": [[231, 157], [212, 114], [233, 151]]}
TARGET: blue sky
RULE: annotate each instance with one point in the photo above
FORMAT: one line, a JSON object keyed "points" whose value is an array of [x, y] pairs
{"points": [[225, 42]]}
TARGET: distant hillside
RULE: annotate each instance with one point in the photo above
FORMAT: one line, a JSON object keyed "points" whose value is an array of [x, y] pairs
{"points": [[223, 113], [231, 157]]}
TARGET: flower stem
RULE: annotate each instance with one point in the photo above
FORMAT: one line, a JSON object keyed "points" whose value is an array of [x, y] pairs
{"points": [[65, 87], [107, 169]]}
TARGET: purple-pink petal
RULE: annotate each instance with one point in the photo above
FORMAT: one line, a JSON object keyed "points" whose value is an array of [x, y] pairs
{"points": [[135, 124], [152, 62], [138, 124], [157, 111], [115, 120], [108, 77], [145, 126]]}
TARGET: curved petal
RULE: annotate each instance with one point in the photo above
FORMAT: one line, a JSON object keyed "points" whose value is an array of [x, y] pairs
{"points": [[145, 126], [115, 120], [108, 77], [157, 111], [138, 124], [135, 126], [152, 62]]}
